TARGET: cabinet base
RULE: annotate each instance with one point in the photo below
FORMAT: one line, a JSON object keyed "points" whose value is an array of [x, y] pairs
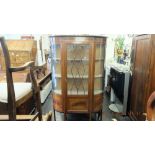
{"points": [[77, 103]]}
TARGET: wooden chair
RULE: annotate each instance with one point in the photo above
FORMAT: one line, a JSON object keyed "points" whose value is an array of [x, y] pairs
{"points": [[151, 108], [13, 94]]}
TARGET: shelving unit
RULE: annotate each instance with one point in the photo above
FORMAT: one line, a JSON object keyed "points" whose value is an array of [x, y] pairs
{"points": [[78, 73]]}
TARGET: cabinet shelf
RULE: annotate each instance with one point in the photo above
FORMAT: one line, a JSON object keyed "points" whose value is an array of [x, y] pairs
{"points": [[79, 92], [77, 77], [97, 59]]}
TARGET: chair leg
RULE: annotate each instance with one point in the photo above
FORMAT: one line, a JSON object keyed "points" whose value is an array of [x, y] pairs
{"points": [[54, 114], [12, 110], [38, 105]]}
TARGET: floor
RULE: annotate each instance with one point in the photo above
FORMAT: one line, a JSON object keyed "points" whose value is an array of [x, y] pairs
{"points": [[107, 115]]}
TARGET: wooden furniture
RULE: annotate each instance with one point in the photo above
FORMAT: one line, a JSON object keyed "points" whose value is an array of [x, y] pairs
{"points": [[45, 84], [151, 107], [142, 66], [44, 80], [78, 73], [46, 117], [21, 51], [29, 37], [15, 94], [18, 77], [43, 77]]}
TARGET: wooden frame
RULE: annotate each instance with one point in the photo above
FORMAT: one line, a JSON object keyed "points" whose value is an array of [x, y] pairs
{"points": [[90, 103], [151, 108], [10, 86]]}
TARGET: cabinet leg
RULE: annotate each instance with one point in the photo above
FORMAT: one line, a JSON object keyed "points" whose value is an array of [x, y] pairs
{"points": [[98, 116], [101, 115], [65, 117], [89, 116]]}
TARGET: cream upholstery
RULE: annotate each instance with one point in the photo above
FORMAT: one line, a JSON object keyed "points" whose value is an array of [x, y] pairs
{"points": [[21, 89]]}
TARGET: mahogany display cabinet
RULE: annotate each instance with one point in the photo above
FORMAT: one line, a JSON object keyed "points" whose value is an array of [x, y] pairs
{"points": [[78, 74]]}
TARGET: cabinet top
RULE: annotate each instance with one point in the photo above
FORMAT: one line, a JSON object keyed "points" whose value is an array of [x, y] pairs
{"points": [[84, 35]]}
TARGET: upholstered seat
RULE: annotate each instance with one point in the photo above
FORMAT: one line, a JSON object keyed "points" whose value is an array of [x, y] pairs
{"points": [[21, 90]]}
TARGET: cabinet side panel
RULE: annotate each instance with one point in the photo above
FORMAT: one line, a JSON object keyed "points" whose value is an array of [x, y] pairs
{"points": [[140, 76]]}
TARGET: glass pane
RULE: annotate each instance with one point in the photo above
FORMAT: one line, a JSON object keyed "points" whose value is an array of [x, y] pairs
{"points": [[99, 69], [77, 69], [1, 59], [98, 85], [100, 51], [56, 66], [78, 52], [58, 52]]}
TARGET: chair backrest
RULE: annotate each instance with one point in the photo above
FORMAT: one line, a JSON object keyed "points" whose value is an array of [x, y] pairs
{"points": [[9, 80], [151, 108], [10, 85]]}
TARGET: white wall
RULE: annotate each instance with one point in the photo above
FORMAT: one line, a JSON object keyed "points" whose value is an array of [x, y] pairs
{"points": [[109, 56]]}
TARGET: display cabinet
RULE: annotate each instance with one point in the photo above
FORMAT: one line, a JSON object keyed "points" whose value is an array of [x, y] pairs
{"points": [[78, 73]]}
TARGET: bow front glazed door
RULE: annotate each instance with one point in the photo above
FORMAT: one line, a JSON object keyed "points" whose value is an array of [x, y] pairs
{"points": [[78, 68]]}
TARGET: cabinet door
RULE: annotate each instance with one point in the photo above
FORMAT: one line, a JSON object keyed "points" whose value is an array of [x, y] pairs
{"points": [[78, 76], [77, 69], [140, 76]]}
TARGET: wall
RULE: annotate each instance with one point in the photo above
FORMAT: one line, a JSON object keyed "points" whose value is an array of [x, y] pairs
{"points": [[111, 45]]}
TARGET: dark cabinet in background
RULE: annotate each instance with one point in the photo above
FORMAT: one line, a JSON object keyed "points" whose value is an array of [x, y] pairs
{"points": [[143, 78]]}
